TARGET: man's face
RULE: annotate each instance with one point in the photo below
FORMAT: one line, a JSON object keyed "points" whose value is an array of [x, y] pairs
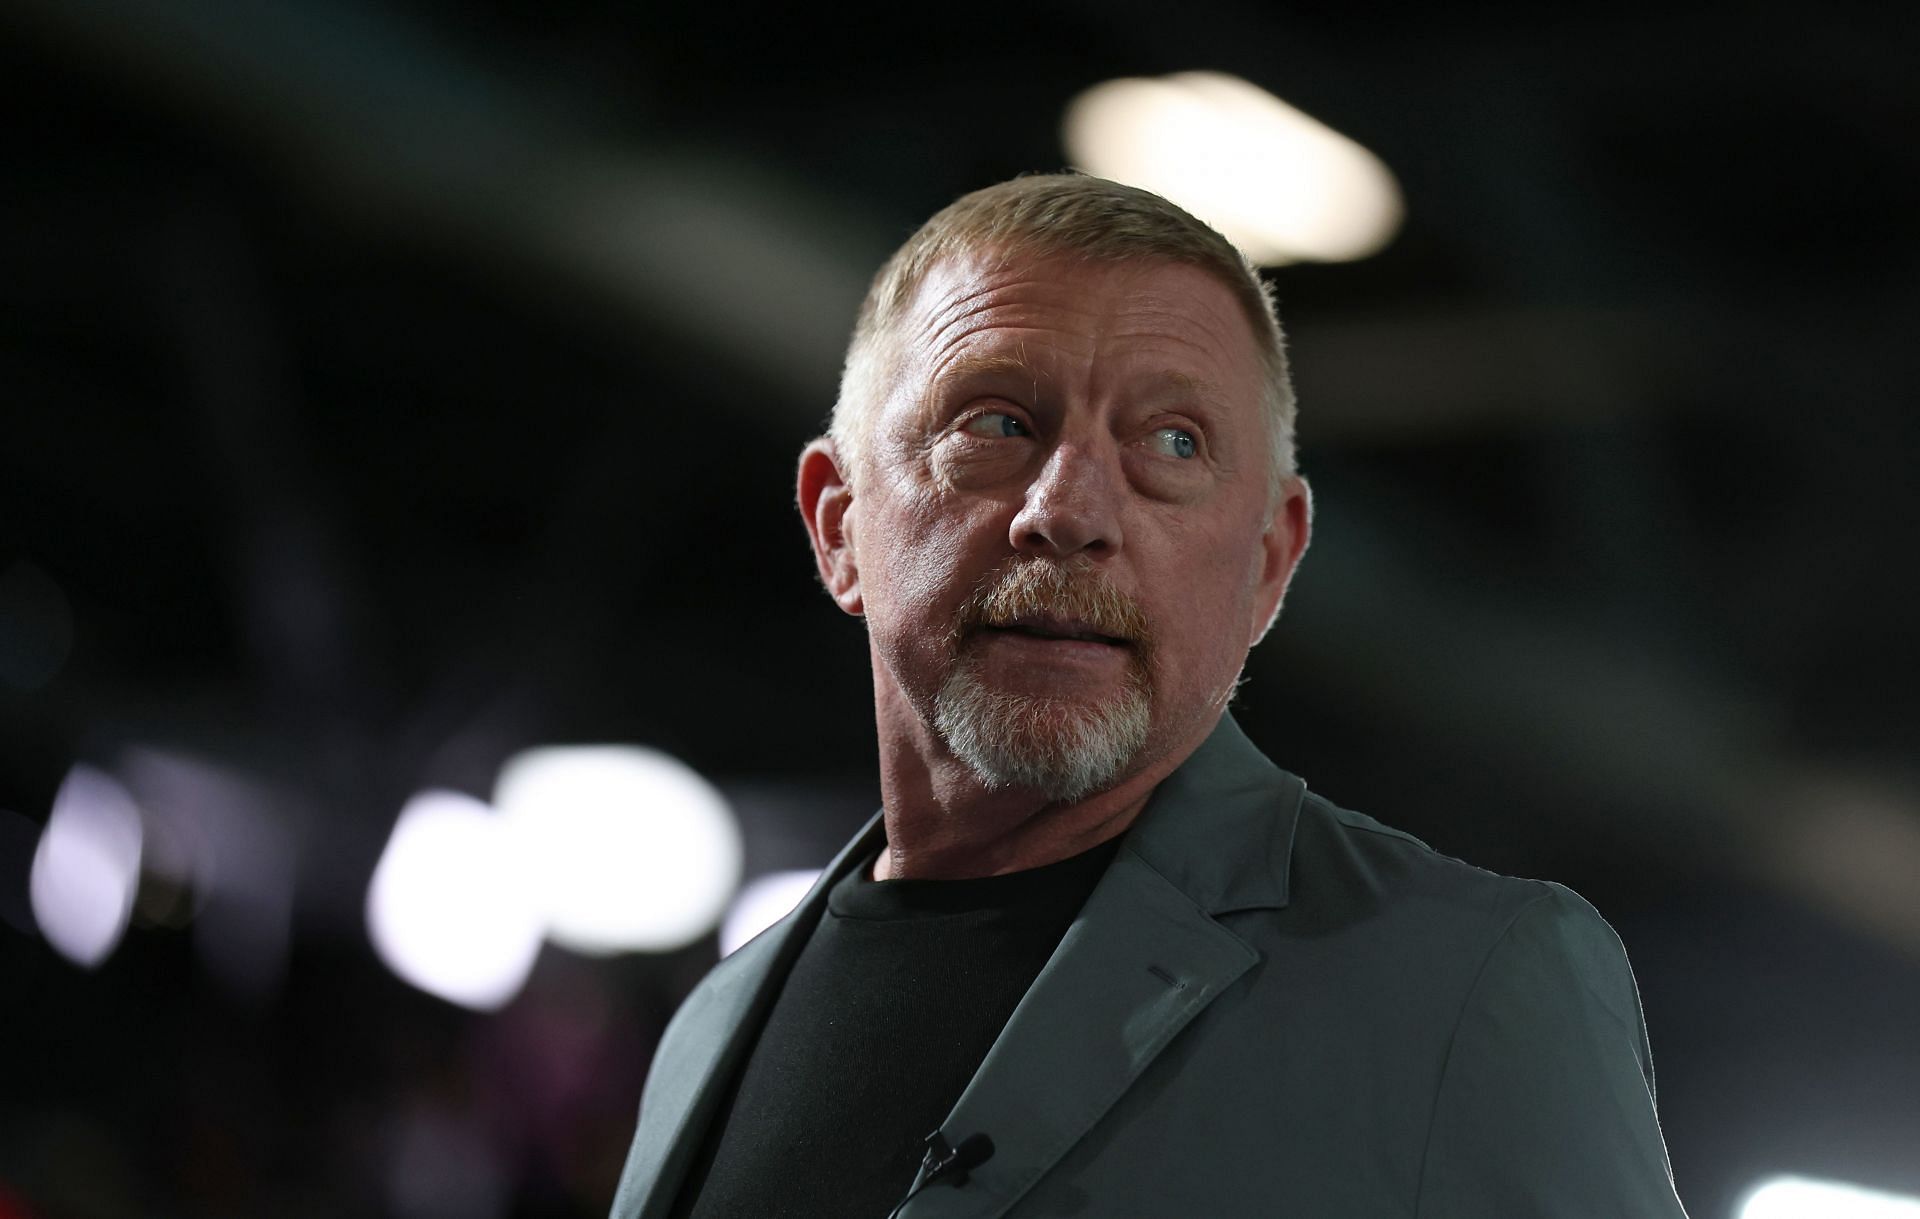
{"points": [[1064, 539]]}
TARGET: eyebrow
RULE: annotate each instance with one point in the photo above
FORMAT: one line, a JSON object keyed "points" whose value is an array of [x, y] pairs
{"points": [[1197, 387], [975, 367], [985, 365]]}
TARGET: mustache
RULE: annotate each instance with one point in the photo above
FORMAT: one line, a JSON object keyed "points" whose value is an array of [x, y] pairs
{"points": [[1038, 588]]}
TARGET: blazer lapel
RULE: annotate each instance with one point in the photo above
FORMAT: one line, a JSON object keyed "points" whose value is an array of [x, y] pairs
{"points": [[1142, 959], [1139, 963], [704, 1045]]}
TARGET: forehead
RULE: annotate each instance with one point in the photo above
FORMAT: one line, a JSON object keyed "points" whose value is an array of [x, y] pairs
{"points": [[1141, 317]]}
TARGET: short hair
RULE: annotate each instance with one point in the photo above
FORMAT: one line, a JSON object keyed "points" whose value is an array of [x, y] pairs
{"points": [[1054, 214]]}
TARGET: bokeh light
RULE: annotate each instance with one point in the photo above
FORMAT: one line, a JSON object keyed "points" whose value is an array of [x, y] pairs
{"points": [[449, 909], [627, 849], [1804, 1198], [86, 869]]}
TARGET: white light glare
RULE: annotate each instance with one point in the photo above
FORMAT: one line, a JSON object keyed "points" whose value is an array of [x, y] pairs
{"points": [[763, 902], [1278, 184], [449, 909], [1804, 1198], [86, 868], [627, 848]]}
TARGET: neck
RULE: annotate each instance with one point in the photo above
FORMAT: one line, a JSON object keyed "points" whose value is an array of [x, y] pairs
{"points": [[944, 823]]}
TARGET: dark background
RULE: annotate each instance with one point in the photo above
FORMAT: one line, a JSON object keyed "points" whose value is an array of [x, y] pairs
{"points": [[387, 387]]}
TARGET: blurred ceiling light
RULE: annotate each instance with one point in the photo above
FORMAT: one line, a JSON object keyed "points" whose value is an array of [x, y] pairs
{"points": [[764, 901], [449, 908], [1280, 185], [86, 868], [628, 848], [1804, 1198]]}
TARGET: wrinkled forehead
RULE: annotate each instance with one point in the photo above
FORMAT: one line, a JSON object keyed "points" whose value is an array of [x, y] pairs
{"points": [[1020, 307]]}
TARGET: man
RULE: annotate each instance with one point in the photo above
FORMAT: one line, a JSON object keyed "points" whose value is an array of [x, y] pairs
{"points": [[1112, 958]]}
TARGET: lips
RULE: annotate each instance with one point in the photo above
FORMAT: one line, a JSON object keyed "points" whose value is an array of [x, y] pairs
{"points": [[1042, 626]]}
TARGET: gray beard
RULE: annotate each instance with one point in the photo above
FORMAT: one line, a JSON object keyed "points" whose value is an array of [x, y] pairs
{"points": [[1060, 749]]}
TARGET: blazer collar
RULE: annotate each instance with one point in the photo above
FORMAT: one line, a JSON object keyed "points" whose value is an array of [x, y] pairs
{"points": [[1220, 828]]}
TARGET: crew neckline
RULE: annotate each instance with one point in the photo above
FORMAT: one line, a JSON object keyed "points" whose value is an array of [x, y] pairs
{"points": [[858, 895]]}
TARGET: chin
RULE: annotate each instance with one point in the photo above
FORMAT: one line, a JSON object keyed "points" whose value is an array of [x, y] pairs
{"points": [[1061, 749]]}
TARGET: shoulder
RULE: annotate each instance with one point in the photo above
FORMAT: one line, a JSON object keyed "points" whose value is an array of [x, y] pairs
{"points": [[1367, 901], [1350, 862]]}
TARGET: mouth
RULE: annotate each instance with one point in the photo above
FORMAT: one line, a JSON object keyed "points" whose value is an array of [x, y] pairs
{"points": [[1054, 628]]}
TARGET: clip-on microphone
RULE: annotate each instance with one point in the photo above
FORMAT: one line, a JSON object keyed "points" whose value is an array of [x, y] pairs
{"points": [[947, 1163]]}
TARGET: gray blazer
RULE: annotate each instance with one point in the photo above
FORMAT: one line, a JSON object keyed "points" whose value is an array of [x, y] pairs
{"points": [[1268, 1007]]}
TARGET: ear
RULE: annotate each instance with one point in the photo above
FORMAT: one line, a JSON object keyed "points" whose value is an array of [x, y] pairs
{"points": [[1281, 547], [825, 498]]}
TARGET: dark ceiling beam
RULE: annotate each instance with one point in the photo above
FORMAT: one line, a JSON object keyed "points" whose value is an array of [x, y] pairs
{"points": [[398, 133]]}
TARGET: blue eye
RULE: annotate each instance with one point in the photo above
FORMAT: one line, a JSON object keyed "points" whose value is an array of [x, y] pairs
{"points": [[996, 425], [1176, 442]]}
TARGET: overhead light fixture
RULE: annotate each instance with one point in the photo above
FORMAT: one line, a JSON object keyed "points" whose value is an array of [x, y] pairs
{"points": [[1279, 184]]}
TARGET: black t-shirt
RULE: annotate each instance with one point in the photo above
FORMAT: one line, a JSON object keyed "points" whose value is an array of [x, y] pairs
{"points": [[889, 1010]]}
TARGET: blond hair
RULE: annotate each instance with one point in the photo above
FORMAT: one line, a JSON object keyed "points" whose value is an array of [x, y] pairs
{"points": [[1042, 215]]}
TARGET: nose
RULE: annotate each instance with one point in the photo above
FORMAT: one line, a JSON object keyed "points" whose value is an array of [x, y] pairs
{"points": [[1073, 506]]}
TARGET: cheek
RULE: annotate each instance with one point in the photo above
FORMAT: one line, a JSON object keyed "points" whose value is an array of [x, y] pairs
{"points": [[919, 561], [1206, 622]]}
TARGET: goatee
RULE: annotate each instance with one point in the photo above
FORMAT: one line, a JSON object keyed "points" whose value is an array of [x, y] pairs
{"points": [[1061, 748]]}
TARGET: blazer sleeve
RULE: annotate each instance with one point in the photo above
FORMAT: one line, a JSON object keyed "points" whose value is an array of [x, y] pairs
{"points": [[1545, 1107]]}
